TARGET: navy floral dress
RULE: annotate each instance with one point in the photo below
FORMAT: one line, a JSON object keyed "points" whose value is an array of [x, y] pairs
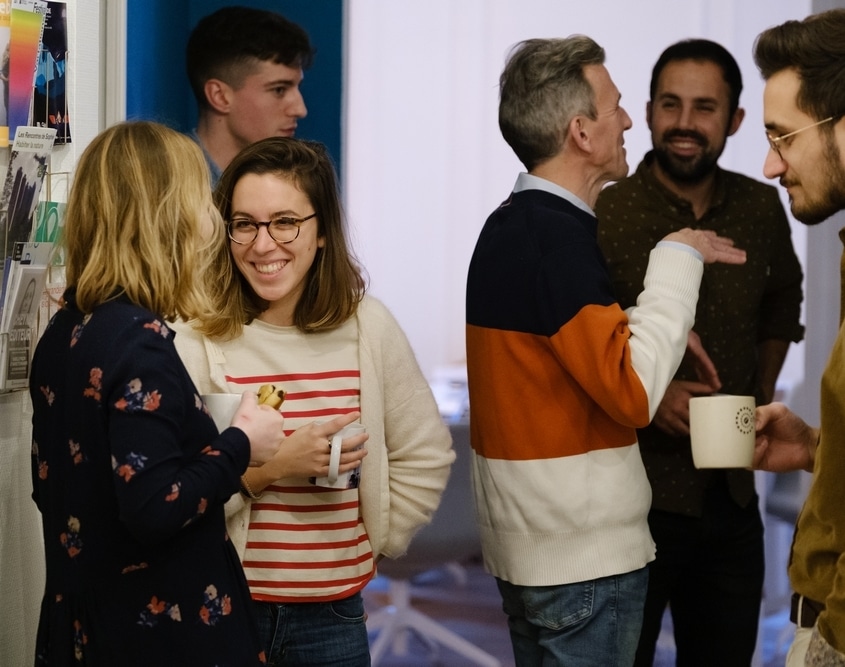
{"points": [[130, 477]]}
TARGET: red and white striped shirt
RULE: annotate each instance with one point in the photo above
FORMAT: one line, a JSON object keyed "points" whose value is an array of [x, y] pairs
{"points": [[306, 543]]}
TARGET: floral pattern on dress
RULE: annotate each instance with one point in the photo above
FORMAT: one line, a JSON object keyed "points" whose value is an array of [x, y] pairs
{"points": [[119, 398], [49, 396], [135, 399], [156, 610], [202, 506], [79, 641], [159, 327], [77, 330], [134, 462], [75, 452], [95, 382], [215, 606], [134, 567], [41, 465], [70, 539]]}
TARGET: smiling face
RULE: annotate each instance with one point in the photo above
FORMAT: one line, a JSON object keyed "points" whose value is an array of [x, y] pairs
{"points": [[611, 122], [276, 272], [267, 103], [690, 119], [810, 164]]}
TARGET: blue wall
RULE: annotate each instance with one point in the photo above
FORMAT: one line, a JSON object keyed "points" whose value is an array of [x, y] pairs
{"points": [[157, 86]]}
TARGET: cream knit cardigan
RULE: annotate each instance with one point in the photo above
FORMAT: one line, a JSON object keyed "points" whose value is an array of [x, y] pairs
{"points": [[410, 448]]}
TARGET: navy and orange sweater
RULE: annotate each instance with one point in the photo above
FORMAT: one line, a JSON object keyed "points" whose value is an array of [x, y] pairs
{"points": [[559, 379]]}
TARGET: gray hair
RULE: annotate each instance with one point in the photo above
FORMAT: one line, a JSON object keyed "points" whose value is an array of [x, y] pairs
{"points": [[541, 89]]}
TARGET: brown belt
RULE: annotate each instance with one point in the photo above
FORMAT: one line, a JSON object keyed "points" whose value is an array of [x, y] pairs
{"points": [[804, 611]]}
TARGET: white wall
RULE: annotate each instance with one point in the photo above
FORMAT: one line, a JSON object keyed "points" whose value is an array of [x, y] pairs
{"points": [[425, 163]]}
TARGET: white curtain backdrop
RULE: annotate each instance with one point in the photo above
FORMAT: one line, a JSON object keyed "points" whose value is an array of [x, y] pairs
{"points": [[425, 163]]}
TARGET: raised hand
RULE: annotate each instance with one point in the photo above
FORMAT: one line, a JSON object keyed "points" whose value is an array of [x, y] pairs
{"points": [[713, 248]]}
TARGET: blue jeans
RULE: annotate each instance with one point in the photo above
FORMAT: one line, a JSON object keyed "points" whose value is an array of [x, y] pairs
{"points": [[589, 624], [314, 634]]}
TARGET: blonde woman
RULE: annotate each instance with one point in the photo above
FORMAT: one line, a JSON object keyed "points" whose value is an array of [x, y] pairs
{"points": [[129, 472], [291, 310]]}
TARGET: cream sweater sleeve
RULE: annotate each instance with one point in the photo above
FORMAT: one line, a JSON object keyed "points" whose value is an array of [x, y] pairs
{"points": [[403, 488]]}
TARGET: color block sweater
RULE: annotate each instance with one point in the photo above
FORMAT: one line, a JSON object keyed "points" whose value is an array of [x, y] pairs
{"points": [[560, 377]]}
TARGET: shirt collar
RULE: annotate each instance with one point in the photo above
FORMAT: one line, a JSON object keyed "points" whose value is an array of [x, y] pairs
{"points": [[648, 177], [527, 181]]}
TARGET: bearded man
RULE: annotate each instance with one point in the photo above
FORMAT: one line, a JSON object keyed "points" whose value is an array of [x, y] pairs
{"points": [[706, 523]]}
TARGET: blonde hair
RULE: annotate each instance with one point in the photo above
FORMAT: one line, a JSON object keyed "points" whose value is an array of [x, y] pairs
{"points": [[335, 283], [133, 226]]}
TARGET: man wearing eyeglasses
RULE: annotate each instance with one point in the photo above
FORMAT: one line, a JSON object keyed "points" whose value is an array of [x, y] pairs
{"points": [[803, 105], [706, 523]]}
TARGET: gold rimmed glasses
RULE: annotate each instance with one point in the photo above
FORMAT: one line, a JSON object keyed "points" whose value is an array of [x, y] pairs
{"points": [[774, 142]]}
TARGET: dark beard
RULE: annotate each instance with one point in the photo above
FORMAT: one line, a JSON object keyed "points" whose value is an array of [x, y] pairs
{"points": [[686, 170], [833, 198]]}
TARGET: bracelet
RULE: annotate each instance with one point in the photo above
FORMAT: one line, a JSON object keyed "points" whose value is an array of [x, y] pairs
{"points": [[247, 491]]}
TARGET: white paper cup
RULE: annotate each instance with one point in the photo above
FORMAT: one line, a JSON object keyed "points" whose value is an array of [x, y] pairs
{"points": [[722, 431], [222, 408], [335, 479]]}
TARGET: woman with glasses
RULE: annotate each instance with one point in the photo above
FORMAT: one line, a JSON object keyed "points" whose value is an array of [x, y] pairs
{"points": [[129, 472], [291, 311]]}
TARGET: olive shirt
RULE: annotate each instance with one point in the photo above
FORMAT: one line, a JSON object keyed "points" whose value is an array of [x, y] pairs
{"points": [[739, 305]]}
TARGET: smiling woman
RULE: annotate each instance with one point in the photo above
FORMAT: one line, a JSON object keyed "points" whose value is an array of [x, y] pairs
{"points": [[276, 269], [291, 310]]}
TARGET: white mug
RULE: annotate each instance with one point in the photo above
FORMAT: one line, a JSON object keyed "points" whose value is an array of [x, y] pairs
{"points": [[722, 431], [222, 408], [335, 479]]}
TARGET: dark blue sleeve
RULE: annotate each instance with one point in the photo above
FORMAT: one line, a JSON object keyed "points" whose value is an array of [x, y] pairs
{"points": [[169, 462]]}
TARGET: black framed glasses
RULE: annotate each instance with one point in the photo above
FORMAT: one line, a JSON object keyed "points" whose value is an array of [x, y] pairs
{"points": [[282, 229], [774, 142]]}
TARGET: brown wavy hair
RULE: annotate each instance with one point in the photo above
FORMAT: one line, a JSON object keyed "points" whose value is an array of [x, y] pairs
{"points": [[335, 283]]}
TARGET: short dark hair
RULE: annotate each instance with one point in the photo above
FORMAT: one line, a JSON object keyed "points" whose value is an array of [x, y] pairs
{"points": [[705, 51], [815, 48], [227, 43]]}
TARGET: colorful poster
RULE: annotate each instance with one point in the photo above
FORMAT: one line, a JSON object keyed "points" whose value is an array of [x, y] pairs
{"points": [[5, 35], [50, 100], [26, 27]]}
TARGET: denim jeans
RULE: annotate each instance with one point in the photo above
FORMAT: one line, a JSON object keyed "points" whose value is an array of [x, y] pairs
{"points": [[589, 624], [314, 634]]}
